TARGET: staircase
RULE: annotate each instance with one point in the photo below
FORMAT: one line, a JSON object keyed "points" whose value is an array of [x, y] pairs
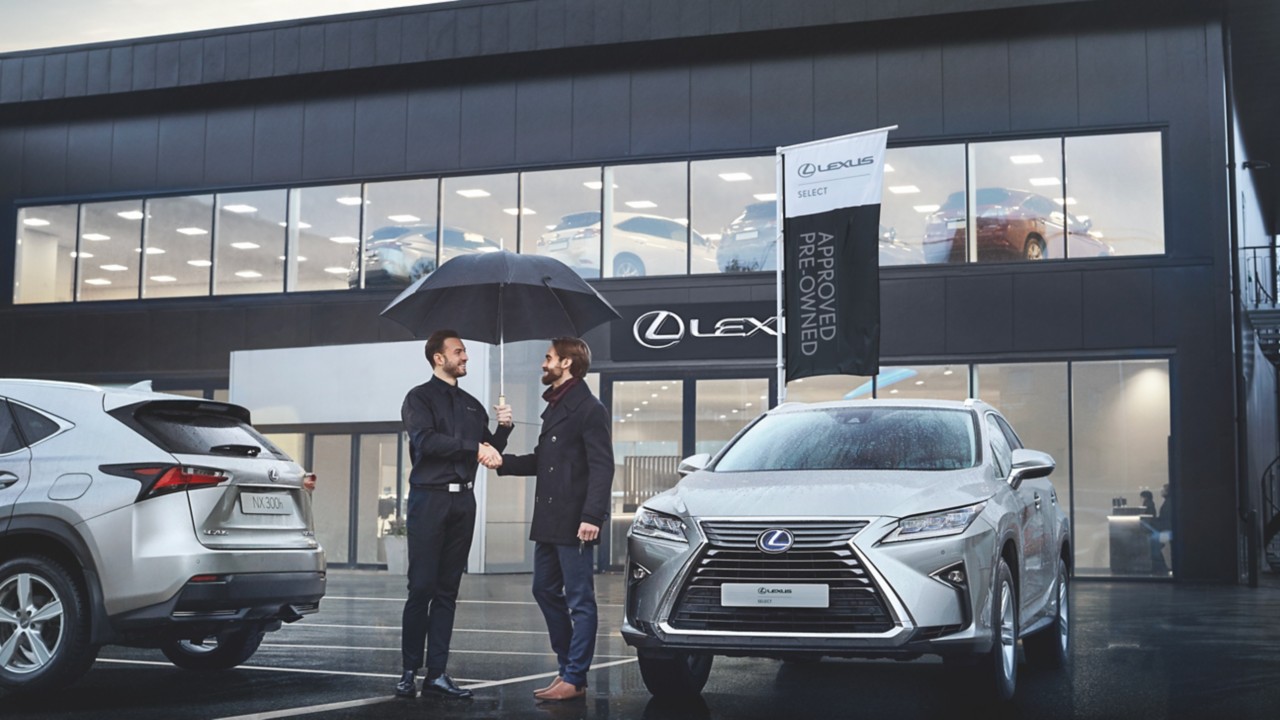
{"points": [[1271, 514]]}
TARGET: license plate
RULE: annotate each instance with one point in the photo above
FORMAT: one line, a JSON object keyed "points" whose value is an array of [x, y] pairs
{"points": [[773, 595], [265, 504]]}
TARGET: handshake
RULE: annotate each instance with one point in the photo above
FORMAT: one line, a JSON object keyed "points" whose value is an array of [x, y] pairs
{"points": [[489, 457]]}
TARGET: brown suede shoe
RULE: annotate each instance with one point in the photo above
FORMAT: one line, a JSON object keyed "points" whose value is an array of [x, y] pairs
{"points": [[554, 684], [563, 691]]}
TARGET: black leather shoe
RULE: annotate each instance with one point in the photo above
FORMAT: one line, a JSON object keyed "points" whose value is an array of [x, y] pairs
{"points": [[408, 686], [443, 685]]}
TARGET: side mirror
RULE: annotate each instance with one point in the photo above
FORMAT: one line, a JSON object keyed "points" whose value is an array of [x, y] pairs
{"points": [[1029, 464], [693, 463]]}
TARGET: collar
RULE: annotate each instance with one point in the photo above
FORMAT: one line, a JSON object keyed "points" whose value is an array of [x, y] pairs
{"points": [[441, 385], [553, 395]]}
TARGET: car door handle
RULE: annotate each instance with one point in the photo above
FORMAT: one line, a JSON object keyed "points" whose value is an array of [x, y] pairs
{"points": [[7, 479]]}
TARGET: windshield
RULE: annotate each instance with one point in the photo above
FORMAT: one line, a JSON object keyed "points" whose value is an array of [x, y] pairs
{"points": [[856, 438]]}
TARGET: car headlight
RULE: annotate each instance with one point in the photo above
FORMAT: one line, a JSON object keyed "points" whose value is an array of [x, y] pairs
{"points": [[939, 524], [657, 525]]}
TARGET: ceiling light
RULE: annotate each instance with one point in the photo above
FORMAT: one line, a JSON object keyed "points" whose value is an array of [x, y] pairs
{"points": [[635, 409], [193, 231], [249, 274], [765, 197], [747, 405], [131, 214], [903, 189], [245, 245], [721, 417], [1045, 181], [641, 204], [893, 391], [163, 278], [199, 263], [653, 395], [735, 410], [404, 218], [151, 250], [628, 414], [344, 240], [925, 208], [95, 236], [948, 371], [301, 225], [337, 270], [473, 193], [349, 200], [597, 185], [1065, 201], [240, 208], [919, 382], [664, 387], [81, 254], [518, 211], [35, 222], [888, 167], [113, 268], [644, 402], [97, 281], [1026, 159], [734, 176]]}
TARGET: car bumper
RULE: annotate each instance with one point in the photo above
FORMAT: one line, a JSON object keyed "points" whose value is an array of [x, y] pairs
{"points": [[218, 601]]}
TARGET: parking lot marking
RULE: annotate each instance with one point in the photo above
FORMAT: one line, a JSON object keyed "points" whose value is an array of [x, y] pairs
{"points": [[396, 649], [268, 668], [476, 685], [460, 602]]}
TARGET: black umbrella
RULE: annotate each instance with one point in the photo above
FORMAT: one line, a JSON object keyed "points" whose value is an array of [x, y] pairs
{"points": [[501, 296]]}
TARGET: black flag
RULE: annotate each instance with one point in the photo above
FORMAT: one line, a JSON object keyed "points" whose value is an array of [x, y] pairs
{"points": [[832, 267]]}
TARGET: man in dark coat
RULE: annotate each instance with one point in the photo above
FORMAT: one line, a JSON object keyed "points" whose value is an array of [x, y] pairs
{"points": [[574, 466], [448, 438]]}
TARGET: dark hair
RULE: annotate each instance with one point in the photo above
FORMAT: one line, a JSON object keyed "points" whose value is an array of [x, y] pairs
{"points": [[1146, 494], [435, 344], [576, 350]]}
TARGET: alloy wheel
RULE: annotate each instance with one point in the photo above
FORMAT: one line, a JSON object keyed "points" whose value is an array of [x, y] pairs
{"points": [[1008, 635], [30, 623]]}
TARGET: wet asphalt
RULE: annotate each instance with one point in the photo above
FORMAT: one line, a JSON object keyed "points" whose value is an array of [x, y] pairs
{"points": [[1142, 650]]}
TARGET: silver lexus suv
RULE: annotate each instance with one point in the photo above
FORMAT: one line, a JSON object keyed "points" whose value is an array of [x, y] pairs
{"points": [[889, 529], [136, 518]]}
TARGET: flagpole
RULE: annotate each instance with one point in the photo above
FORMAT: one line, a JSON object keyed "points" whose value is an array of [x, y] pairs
{"points": [[780, 323]]}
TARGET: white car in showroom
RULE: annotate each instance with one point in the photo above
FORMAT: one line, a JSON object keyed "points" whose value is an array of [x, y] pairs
{"points": [[872, 529]]}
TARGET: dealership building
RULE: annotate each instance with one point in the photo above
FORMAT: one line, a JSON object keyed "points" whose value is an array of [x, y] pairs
{"points": [[1077, 226]]}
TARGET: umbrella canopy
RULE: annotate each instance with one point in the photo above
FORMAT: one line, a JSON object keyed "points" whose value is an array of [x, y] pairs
{"points": [[501, 296]]}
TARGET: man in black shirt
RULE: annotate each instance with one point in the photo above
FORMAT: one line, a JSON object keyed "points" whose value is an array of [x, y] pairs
{"points": [[448, 438]]}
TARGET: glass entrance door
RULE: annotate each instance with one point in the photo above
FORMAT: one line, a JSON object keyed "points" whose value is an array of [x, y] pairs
{"points": [[648, 429]]}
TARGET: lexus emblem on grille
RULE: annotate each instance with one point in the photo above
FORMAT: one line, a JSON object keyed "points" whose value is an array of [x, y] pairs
{"points": [[273, 474], [775, 540]]}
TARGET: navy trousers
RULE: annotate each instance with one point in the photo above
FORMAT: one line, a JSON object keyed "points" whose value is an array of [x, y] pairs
{"points": [[564, 586], [440, 526]]}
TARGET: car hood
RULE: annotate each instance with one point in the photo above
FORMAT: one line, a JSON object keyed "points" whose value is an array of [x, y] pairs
{"points": [[824, 493]]}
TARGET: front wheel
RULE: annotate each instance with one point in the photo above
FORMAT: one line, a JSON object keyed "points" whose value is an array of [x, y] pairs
{"points": [[215, 652], [1000, 667], [681, 675], [44, 626], [1050, 647], [1034, 249]]}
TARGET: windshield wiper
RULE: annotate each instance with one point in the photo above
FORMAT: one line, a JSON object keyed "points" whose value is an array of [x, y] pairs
{"points": [[233, 449]]}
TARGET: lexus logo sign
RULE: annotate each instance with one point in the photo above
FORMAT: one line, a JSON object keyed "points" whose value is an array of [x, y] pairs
{"points": [[658, 329]]}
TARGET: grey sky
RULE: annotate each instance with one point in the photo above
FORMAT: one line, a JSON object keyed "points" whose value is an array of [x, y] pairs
{"points": [[31, 24]]}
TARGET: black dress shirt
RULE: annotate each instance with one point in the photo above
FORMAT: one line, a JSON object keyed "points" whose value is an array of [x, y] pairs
{"points": [[446, 426]]}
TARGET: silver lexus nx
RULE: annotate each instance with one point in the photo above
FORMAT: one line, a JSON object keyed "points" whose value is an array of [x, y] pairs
{"points": [[137, 518], [854, 529]]}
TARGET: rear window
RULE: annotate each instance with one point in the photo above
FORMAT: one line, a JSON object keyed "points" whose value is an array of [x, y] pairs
{"points": [[856, 438], [195, 428], [35, 427], [9, 440]]}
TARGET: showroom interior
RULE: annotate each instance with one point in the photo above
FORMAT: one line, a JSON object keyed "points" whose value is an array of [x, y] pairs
{"points": [[1065, 225]]}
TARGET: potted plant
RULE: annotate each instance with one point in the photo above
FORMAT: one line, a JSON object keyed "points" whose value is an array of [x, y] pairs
{"points": [[395, 542]]}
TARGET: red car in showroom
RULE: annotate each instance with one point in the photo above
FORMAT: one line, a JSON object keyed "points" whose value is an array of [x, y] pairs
{"points": [[1011, 225]]}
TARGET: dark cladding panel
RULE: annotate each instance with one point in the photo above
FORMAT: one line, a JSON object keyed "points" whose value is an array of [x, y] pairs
{"points": [[758, 14], [55, 76], [10, 157], [229, 147], [238, 54], [1113, 77], [721, 107], [1118, 308], [979, 314], [488, 124], [327, 137], [214, 66], [493, 29], [99, 80], [180, 162], [550, 24], [975, 87], [337, 46], [434, 129], [467, 32], [1178, 75], [311, 48], [660, 111], [77, 73], [44, 338], [579, 22], [522, 27], [115, 338], [387, 40], [781, 101], [911, 323], [441, 34], [1047, 315], [601, 109], [352, 322], [10, 79], [89, 156], [844, 94], [44, 160], [287, 51], [277, 326], [635, 21], [173, 334], [606, 24], [695, 17], [542, 134], [364, 38], [413, 37], [909, 90], [190, 62], [277, 143], [380, 133], [121, 59], [665, 19], [168, 64], [32, 77], [726, 16], [144, 66], [821, 12], [262, 53], [1042, 83], [135, 143], [222, 328]]}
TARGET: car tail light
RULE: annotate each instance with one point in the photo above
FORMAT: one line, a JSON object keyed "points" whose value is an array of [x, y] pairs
{"points": [[164, 479]]}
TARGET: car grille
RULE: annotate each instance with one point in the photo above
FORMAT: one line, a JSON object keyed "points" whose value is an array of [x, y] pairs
{"points": [[820, 555]]}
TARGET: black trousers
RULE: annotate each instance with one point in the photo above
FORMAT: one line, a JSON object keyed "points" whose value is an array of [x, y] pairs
{"points": [[440, 525]]}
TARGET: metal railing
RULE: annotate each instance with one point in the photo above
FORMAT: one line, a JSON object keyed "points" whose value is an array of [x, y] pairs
{"points": [[1261, 274]]}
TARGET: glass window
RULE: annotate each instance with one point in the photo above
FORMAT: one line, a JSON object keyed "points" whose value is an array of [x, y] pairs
{"points": [[1001, 451], [178, 246], [647, 427], [331, 500], [9, 440], [109, 254], [562, 217], [327, 239], [35, 427], [924, 382], [827, 388], [1033, 398], [922, 209], [725, 407], [646, 230], [478, 214], [46, 254], [1017, 206], [1120, 427], [399, 232], [734, 214], [379, 474], [1115, 194], [249, 243]]}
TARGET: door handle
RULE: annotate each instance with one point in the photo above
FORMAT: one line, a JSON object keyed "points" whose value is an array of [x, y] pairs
{"points": [[7, 479], [1037, 497]]}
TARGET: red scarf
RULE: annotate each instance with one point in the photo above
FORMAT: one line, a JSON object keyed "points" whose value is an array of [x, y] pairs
{"points": [[553, 394]]}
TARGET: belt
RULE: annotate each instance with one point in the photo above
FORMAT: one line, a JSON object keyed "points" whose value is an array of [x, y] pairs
{"points": [[451, 487]]}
